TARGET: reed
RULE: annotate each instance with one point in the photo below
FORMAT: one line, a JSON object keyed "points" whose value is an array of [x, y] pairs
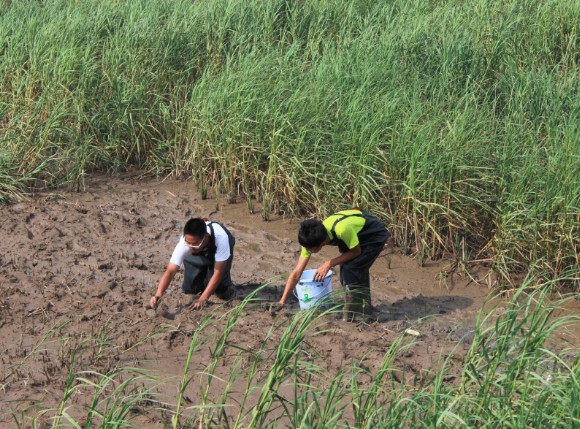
{"points": [[456, 125]]}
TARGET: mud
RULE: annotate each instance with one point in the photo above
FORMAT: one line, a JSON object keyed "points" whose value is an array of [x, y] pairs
{"points": [[77, 268]]}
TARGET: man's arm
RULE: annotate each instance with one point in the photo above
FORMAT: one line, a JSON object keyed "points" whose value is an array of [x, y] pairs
{"points": [[164, 283], [293, 278], [219, 270], [341, 259]]}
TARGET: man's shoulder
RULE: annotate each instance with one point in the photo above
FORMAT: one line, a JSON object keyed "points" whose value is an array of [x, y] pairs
{"points": [[344, 217], [218, 229]]}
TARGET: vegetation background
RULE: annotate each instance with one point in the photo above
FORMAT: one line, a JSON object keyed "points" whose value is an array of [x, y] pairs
{"points": [[456, 122]]}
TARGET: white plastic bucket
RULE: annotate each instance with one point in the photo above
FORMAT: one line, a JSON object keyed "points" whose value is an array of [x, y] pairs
{"points": [[309, 292]]}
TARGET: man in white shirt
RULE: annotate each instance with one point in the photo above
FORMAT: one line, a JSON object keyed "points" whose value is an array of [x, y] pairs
{"points": [[206, 249]]}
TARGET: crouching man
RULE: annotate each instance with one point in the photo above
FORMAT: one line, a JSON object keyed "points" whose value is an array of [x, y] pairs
{"points": [[206, 250]]}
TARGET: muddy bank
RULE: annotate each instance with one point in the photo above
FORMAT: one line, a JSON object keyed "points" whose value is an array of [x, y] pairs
{"points": [[77, 268]]}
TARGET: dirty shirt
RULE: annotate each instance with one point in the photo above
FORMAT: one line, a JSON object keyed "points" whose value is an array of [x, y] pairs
{"points": [[222, 244]]}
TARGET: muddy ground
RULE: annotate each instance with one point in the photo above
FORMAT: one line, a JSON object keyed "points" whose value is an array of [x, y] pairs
{"points": [[76, 269]]}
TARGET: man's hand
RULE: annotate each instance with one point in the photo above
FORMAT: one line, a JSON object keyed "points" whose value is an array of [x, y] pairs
{"points": [[322, 271], [275, 308], [153, 301], [199, 304]]}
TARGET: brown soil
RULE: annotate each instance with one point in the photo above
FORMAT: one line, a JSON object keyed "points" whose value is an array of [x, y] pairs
{"points": [[77, 268]]}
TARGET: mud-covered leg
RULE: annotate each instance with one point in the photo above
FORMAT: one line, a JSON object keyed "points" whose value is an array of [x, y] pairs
{"points": [[357, 303]]}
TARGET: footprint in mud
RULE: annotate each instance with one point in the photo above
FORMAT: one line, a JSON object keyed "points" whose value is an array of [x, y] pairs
{"points": [[162, 310]]}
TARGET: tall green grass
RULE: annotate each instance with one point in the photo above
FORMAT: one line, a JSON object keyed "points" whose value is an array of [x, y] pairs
{"points": [[457, 123], [517, 373]]}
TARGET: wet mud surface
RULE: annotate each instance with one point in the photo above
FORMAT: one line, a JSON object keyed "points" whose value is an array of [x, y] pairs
{"points": [[76, 270]]}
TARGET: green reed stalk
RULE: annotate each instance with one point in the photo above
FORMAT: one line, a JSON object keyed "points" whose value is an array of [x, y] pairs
{"points": [[196, 341], [259, 360], [509, 372], [365, 404], [219, 348], [319, 407], [114, 399], [288, 346], [69, 389]]}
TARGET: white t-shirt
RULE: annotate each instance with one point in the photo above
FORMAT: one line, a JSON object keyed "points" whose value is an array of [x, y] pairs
{"points": [[222, 244]]}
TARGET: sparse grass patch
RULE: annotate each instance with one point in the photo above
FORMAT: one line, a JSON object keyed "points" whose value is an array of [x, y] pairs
{"points": [[510, 375]]}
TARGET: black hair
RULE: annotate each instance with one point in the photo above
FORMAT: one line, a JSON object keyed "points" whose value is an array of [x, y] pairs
{"points": [[195, 227], [312, 233]]}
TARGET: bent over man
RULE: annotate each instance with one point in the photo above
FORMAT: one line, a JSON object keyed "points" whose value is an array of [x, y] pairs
{"points": [[206, 249], [360, 237]]}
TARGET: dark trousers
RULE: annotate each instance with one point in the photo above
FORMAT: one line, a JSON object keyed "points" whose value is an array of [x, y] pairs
{"points": [[355, 278], [198, 271], [355, 273]]}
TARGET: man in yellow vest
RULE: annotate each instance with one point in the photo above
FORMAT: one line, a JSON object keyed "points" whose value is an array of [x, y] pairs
{"points": [[360, 238]]}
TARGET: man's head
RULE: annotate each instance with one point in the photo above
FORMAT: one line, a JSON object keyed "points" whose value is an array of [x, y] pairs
{"points": [[195, 235], [312, 235]]}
